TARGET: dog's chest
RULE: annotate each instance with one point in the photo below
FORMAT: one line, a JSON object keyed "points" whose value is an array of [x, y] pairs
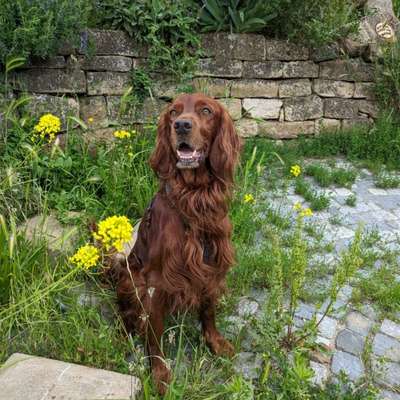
{"points": [[206, 246]]}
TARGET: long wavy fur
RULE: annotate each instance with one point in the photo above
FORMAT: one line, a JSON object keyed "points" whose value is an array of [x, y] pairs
{"points": [[201, 199]]}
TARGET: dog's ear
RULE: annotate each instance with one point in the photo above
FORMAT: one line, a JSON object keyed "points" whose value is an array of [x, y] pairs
{"points": [[225, 149], [161, 160]]}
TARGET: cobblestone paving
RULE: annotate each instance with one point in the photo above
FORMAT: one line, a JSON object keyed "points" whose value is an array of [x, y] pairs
{"points": [[348, 331]]}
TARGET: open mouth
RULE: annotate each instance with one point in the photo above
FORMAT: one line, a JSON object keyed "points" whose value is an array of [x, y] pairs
{"points": [[188, 157]]}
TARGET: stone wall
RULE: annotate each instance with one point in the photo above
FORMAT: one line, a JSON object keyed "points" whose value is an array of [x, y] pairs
{"points": [[271, 88]]}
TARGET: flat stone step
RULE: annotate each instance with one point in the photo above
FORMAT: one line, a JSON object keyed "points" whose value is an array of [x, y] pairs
{"points": [[37, 378]]}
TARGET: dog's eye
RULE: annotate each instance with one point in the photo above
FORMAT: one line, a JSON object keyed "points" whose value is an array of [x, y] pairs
{"points": [[173, 113], [206, 111]]}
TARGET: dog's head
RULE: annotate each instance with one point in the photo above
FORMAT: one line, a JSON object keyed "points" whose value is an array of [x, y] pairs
{"points": [[194, 131]]}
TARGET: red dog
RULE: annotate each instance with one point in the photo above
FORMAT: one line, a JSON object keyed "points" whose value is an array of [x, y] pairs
{"points": [[183, 250]]}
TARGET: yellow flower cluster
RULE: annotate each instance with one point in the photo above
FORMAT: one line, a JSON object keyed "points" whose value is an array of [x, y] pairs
{"points": [[49, 125], [295, 170], [303, 212], [122, 134], [248, 198], [86, 256], [114, 232]]}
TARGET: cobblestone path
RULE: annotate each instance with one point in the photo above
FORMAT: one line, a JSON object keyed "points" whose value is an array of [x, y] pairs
{"points": [[348, 331]]}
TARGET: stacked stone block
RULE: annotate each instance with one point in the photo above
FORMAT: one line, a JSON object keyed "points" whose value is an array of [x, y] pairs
{"points": [[271, 88]]}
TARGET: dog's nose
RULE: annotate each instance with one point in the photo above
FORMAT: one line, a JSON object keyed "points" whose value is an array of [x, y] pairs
{"points": [[183, 126]]}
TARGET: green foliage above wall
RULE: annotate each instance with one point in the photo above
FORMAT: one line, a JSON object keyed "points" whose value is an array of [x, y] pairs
{"points": [[36, 28], [167, 28]]}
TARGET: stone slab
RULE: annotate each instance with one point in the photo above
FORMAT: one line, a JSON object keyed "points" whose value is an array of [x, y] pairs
{"points": [[219, 68], [340, 108], [225, 45], [358, 323], [321, 373], [47, 228], [386, 346], [109, 42], [103, 63], [51, 81], [350, 342], [354, 70], [254, 88], [329, 88], [37, 378], [303, 108], [107, 82], [295, 88], [215, 87], [248, 364], [233, 106], [263, 108], [300, 69], [262, 69], [349, 364], [246, 127], [285, 51], [391, 328]]}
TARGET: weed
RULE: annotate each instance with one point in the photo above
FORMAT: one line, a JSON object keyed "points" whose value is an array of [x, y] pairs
{"points": [[326, 177], [388, 76], [317, 201], [387, 181], [321, 174], [351, 200], [380, 287], [343, 177]]}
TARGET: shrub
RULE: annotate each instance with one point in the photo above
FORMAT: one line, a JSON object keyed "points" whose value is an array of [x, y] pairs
{"points": [[235, 15], [388, 77], [167, 28], [315, 23], [396, 7], [35, 28]]}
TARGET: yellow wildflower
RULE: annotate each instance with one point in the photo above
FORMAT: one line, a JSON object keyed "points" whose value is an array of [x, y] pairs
{"points": [[86, 256], [297, 206], [306, 212], [114, 232], [48, 126], [90, 120], [122, 134], [295, 170], [248, 198]]}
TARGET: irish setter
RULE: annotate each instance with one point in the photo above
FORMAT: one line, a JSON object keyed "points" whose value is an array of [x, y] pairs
{"points": [[183, 250]]}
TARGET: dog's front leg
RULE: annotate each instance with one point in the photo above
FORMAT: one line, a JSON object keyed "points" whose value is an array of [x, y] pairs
{"points": [[155, 328], [217, 343]]}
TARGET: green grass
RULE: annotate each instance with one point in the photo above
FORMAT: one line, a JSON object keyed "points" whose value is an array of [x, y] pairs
{"points": [[331, 176], [318, 201], [382, 289], [379, 144], [396, 6]]}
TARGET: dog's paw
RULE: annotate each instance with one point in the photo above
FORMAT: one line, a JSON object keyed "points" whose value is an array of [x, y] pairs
{"points": [[162, 377], [220, 346]]}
